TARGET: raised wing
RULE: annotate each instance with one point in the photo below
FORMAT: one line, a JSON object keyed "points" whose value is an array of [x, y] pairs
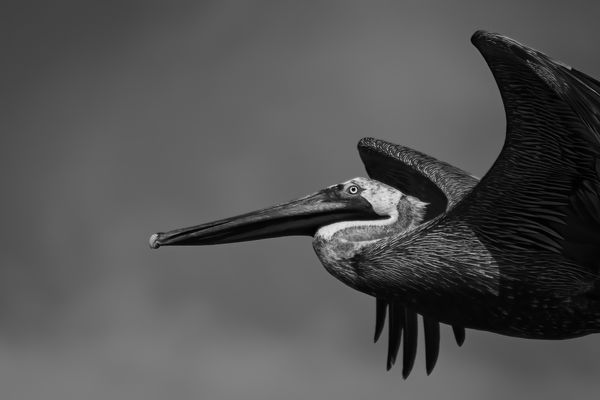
{"points": [[442, 186], [435, 182], [543, 192]]}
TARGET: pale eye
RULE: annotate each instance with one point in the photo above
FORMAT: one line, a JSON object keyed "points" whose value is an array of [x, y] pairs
{"points": [[353, 189]]}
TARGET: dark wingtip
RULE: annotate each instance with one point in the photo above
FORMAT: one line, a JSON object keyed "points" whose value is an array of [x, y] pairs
{"points": [[411, 334], [482, 37], [366, 142], [459, 334], [380, 310], [431, 329], [492, 45], [391, 359], [395, 326], [486, 42], [479, 34]]}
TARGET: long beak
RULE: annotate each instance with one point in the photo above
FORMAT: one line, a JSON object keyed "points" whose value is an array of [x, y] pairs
{"points": [[299, 217]]}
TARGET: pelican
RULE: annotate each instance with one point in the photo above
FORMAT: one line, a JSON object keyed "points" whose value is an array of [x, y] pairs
{"points": [[516, 253]]}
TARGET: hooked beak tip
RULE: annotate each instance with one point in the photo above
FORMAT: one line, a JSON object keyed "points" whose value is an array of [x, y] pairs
{"points": [[154, 244]]}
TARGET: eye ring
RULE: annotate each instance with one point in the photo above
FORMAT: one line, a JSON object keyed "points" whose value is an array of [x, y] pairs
{"points": [[352, 189]]}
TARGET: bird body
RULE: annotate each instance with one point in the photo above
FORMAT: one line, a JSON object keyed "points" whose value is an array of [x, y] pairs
{"points": [[517, 253]]}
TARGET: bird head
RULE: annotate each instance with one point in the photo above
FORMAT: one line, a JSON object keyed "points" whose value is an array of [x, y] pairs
{"points": [[358, 199], [396, 211]]}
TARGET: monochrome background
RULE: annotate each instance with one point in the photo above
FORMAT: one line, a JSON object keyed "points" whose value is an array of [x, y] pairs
{"points": [[123, 118]]}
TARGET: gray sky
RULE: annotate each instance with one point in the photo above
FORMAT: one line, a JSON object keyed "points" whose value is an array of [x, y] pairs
{"points": [[124, 118]]}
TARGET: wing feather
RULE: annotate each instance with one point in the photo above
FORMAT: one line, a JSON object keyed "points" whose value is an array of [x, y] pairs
{"points": [[414, 173], [543, 191], [431, 329], [541, 198]]}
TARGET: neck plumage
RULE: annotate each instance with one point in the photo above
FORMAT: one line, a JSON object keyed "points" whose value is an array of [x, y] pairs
{"points": [[408, 213], [337, 244], [358, 231]]}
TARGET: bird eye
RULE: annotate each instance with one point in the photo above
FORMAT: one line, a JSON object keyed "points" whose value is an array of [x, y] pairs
{"points": [[353, 189]]}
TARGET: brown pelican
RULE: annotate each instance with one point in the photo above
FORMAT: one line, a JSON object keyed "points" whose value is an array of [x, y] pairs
{"points": [[517, 253]]}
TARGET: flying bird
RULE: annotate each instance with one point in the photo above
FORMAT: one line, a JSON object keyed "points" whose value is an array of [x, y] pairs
{"points": [[516, 253]]}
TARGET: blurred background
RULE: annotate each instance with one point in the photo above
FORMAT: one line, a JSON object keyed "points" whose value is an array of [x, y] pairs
{"points": [[122, 118]]}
